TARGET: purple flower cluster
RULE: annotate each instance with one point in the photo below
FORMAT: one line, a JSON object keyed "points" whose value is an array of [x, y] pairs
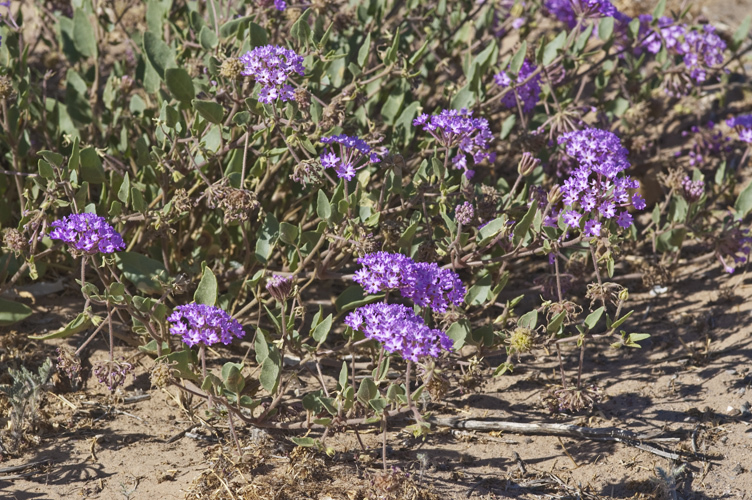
{"points": [[593, 188], [87, 233], [203, 324], [464, 213], [425, 283], [743, 126], [112, 373], [349, 158], [692, 190], [398, 329], [708, 143], [279, 286], [527, 93], [699, 50], [569, 11], [278, 4], [452, 128], [270, 66]]}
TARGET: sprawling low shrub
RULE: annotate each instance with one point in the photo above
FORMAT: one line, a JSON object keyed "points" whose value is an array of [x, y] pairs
{"points": [[361, 190]]}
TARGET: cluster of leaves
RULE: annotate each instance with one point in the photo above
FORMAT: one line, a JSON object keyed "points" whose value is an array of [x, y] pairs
{"points": [[141, 113]]}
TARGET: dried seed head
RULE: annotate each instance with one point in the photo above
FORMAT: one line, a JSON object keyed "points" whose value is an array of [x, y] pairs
{"points": [[231, 68], [161, 375], [605, 292], [6, 87], [238, 204], [303, 98], [14, 241]]}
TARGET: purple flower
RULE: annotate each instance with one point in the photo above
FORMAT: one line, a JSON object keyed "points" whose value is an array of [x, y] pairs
{"points": [[425, 283], [707, 144], [527, 93], [353, 154], [279, 287], [399, 330], [595, 187], [569, 10], [743, 126], [699, 50], [452, 128], [593, 228], [203, 324], [270, 66], [87, 233]]}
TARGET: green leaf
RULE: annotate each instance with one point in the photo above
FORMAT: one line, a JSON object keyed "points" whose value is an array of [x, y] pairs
{"points": [[553, 47], [353, 297], [528, 320], [594, 317], [301, 31], [659, 9], [479, 292], [321, 331], [259, 38], [605, 28], [158, 53], [209, 110], [391, 54], [306, 442], [91, 166], [181, 361], [13, 312], [744, 202], [367, 390], [180, 84], [634, 338], [233, 378], [556, 322], [261, 347], [458, 332], [507, 126], [141, 271], [76, 97], [125, 189], [743, 30], [323, 207], [230, 28], [288, 233], [364, 50], [522, 227], [208, 38], [52, 157], [464, 98], [206, 293], [45, 169], [490, 230], [269, 376], [84, 38], [620, 321], [519, 57]]}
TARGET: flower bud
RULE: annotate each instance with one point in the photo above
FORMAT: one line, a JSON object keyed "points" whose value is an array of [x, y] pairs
{"points": [[624, 295], [279, 287], [554, 195], [527, 164]]}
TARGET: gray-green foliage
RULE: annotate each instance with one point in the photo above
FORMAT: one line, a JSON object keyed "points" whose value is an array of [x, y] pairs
{"points": [[25, 395]]}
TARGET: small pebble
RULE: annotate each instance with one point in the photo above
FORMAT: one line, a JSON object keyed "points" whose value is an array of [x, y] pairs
{"points": [[732, 371]]}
